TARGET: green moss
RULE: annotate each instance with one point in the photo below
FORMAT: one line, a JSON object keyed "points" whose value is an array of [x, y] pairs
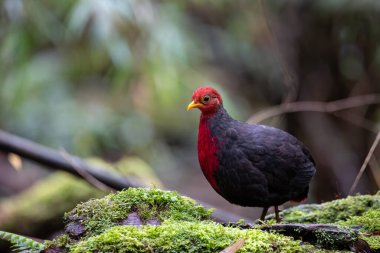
{"points": [[186, 226], [369, 221], [63, 241], [373, 241], [362, 212], [100, 214], [183, 236], [342, 211], [331, 239]]}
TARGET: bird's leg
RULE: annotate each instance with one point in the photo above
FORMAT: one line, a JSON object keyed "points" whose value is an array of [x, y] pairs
{"points": [[278, 219], [264, 213]]}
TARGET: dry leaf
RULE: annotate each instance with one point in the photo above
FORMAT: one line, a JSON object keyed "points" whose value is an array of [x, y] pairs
{"points": [[234, 247], [15, 161]]}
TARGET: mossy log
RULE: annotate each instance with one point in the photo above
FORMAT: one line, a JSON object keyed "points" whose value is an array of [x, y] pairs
{"points": [[361, 213], [152, 220], [146, 220], [326, 236]]}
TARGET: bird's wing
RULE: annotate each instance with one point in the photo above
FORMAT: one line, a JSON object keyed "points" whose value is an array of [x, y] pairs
{"points": [[277, 154]]}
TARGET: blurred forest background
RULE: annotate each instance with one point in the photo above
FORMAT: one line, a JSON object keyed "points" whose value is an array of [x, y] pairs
{"points": [[112, 79]]}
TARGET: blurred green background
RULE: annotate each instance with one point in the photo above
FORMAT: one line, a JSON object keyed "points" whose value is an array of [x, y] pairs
{"points": [[112, 79]]}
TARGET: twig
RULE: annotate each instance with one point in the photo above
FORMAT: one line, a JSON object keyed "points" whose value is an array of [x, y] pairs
{"points": [[315, 106], [365, 163], [357, 120], [87, 176]]}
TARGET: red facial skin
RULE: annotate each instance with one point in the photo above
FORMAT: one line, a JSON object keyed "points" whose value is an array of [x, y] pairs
{"points": [[207, 144], [209, 108]]}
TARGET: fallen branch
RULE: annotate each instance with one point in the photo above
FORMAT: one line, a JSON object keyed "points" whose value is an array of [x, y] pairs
{"points": [[311, 106], [326, 236], [53, 159]]}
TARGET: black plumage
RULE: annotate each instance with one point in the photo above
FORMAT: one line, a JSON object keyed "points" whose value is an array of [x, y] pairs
{"points": [[259, 165]]}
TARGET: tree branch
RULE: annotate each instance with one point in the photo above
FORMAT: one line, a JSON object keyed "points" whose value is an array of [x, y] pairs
{"points": [[54, 159], [63, 161], [84, 174], [315, 106]]}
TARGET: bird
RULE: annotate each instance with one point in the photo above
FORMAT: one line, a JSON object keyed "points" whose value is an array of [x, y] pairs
{"points": [[250, 165]]}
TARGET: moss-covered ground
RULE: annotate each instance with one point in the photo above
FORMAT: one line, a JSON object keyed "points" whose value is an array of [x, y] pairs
{"points": [[361, 212], [184, 226], [184, 236], [97, 215]]}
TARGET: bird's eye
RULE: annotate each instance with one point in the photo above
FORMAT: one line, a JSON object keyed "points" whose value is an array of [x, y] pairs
{"points": [[205, 99]]}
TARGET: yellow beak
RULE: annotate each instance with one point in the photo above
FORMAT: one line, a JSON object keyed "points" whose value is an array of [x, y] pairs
{"points": [[193, 105]]}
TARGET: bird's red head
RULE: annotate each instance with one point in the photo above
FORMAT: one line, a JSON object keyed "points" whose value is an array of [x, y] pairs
{"points": [[206, 99]]}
